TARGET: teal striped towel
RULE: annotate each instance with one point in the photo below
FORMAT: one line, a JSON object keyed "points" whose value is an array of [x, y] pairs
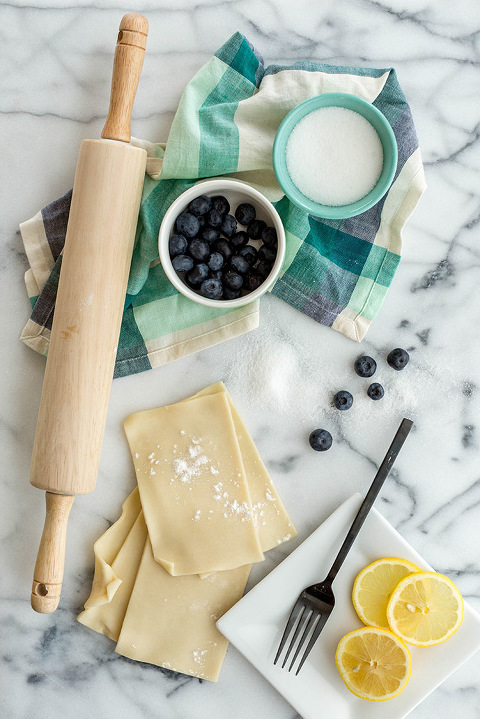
{"points": [[336, 272]]}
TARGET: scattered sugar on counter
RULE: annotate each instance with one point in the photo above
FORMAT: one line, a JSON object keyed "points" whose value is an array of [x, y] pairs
{"points": [[334, 156]]}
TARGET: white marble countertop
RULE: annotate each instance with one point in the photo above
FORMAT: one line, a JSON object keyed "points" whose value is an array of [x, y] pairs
{"points": [[56, 65]]}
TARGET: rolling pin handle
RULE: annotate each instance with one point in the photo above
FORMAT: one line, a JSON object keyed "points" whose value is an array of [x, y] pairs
{"points": [[48, 573], [127, 66]]}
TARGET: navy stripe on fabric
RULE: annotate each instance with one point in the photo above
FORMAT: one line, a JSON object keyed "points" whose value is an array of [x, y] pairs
{"points": [[55, 219]]}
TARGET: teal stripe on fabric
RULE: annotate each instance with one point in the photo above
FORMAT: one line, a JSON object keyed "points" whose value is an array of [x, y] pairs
{"points": [[228, 51], [151, 215], [33, 300], [219, 135], [246, 62], [308, 270], [132, 355], [346, 251], [157, 285]]}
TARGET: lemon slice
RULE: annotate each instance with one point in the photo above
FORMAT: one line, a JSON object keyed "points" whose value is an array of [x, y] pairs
{"points": [[373, 663], [425, 609], [373, 586]]}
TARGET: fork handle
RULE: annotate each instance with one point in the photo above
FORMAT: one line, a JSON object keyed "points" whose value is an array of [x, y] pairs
{"points": [[383, 471]]}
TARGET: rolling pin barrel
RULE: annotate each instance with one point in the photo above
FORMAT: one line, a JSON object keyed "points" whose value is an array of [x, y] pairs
{"points": [[88, 314]]}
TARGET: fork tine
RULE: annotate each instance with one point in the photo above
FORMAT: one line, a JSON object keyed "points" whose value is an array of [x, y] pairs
{"points": [[291, 621], [313, 639], [301, 622], [308, 627]]}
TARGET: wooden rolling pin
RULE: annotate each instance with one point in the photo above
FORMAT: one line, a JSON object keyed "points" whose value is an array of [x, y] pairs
{"points": [[88, 314]]}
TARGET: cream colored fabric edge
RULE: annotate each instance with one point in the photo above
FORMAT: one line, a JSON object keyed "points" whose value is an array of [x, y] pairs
{"points": [[37, 249], [277, 95]]}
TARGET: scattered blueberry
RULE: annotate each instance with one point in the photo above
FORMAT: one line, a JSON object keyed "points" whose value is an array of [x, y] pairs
{"points": [[398, 358], [223, 247], [199, 250], [245, 213], [253, 281], [196, 276], [214, 218], [249, 252], [229, 294], [212, 289], [320, 440], [221, 204], [239, 264], [264, 268], [216, 261], [375, 391], [239, 239], [201, 221], [217, 275], [233, 280], [267, 253], [182, 263], [269, 236], [177, 245], [255, 229], [365, 366], [209, 234], [200, 205], [187, 225], [343, 400], [229, 225]]}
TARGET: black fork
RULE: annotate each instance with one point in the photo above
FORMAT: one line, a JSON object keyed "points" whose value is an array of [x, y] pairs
{"points": [[316, 603]]}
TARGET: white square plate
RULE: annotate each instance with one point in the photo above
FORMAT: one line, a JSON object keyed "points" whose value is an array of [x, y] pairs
{"points": [[256, 623]]}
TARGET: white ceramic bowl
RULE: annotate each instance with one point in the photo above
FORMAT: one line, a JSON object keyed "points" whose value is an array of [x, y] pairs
{"points": [[236, 193]]}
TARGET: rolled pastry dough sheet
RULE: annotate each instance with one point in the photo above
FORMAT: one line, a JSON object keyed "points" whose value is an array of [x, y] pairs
{"points": [[170, 621], [107, 617], [156, 618], [106, 548], [193, 487], [270, 516]]}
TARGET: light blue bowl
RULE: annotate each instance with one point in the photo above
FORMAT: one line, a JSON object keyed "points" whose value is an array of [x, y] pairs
{"points": [[374, 117]]}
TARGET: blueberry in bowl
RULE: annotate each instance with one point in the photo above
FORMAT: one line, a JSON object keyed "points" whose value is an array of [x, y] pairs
{"points": [[245, 213], [222, 243], [187, 225]]}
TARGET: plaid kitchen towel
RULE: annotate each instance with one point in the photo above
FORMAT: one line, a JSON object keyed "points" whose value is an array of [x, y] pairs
{"points": [[336, 272]]}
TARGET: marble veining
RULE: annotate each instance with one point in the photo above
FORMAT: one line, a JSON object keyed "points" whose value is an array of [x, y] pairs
{"points": [[56, 65]]}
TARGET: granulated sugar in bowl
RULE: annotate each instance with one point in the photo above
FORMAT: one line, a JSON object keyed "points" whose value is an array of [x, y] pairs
{"points": [[335, 155]]}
